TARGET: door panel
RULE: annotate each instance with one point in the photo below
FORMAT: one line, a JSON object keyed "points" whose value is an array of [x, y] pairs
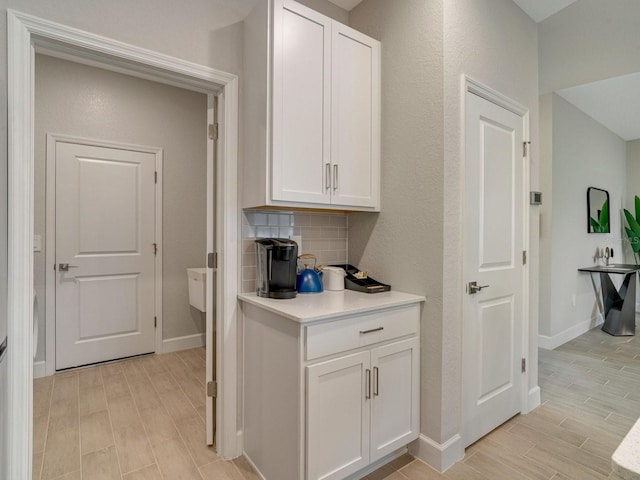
{"points": [[353, 117], [105, 220], [395, 409], [337, 417], [301, 103], [493, 244], [495, 368]]}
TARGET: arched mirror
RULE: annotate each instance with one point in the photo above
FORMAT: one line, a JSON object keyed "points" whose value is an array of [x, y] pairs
{"points": [[598, 210]]}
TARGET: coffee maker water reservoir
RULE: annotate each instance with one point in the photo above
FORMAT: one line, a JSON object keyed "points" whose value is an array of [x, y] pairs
{"points": [[277, 263]]}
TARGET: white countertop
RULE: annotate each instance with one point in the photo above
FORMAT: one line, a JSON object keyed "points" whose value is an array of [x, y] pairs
{"points": [[625, 461], [309, 307]]}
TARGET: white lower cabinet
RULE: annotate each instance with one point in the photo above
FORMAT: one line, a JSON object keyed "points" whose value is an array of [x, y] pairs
{"points": [[361, 407], [326, 400]]}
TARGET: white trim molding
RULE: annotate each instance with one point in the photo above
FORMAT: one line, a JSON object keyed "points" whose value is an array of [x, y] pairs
{"points": [[533, 399], [39, 369], [553, 342], [439, 456], [183, 343], [25, 34]]}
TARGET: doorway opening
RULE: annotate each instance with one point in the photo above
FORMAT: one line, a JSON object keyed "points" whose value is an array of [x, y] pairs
{"points": [[26, 36]]}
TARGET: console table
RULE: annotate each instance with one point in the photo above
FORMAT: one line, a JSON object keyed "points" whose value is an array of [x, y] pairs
{"points": [[619, 305]]}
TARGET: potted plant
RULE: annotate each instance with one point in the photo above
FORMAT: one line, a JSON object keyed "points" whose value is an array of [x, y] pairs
{"points": [[633, 229]]}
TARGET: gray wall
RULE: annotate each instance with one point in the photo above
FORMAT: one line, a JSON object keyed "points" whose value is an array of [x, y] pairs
{"points": [[495, 43], [402, 245], [74, 99], [587, 41], [415, 242], [579, 145]]}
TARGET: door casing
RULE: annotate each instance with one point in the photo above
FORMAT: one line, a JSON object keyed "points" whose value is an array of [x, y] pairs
{"points": [[25, 34], [50, 245]]}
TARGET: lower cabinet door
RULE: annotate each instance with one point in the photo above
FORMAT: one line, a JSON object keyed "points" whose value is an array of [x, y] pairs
{"points": [[395, 396], [338, 416]]}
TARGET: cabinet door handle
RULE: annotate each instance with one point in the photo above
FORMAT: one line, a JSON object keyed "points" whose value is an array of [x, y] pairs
{"points": [[376, 380], [327, 176], [364, 332], [335, 177], [367, 388]]}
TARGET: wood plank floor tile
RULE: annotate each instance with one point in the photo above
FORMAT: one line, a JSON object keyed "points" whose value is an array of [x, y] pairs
{"points": [[148, 473], [101, 465], [133, 448], [95, 432]]}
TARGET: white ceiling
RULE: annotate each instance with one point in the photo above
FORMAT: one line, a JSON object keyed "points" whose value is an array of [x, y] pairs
{"points": [[614, 103], [346, 4], [538, 10]]}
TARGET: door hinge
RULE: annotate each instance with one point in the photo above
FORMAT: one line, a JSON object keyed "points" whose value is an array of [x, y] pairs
{"points": [[155, 177], [524, 257], [212, 260], [155, 322], [213, 131], [155, 248], [523, 365], [212, 389], [525, 148]]}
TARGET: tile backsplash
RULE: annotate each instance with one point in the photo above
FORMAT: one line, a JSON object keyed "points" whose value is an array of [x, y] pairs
{"points": [[323, 234]]}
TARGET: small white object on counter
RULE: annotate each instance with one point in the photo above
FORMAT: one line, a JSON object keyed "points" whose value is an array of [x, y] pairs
{"points": [[321, 306], [625, 461]]}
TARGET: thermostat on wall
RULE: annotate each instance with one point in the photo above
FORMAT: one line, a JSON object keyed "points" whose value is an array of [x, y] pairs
{"points": [[535, 198]]}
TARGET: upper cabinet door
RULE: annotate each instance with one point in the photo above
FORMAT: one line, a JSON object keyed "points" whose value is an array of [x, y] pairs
{"points": [[355, 118], [301, 104]]}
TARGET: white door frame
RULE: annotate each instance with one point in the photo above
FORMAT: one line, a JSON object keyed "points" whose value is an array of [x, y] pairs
{"points": [[25, 33], [50, 245], [472, 86]]}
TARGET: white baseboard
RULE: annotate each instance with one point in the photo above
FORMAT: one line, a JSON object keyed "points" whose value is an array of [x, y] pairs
{"points": [[550, 343], [438, 456], [533, 399], [182, 343], [39, 369]]}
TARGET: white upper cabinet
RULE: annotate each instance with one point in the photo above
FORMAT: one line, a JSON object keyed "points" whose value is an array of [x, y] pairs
{"points": [[355, 118], [311, 111]]}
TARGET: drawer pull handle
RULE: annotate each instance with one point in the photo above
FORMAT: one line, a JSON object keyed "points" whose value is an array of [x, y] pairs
{"points": [[364, 332], [367, 394], [376, 381]]}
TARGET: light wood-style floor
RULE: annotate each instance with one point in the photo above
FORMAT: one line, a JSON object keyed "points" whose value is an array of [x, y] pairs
{"points": [[139, 419], [142, 419]]}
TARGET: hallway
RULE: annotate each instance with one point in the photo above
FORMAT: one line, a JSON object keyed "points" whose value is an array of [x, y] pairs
{"points": [[137, 419]]}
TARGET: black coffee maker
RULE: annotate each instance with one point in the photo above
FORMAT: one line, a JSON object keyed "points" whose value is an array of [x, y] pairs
{"points": [[277, 261]]}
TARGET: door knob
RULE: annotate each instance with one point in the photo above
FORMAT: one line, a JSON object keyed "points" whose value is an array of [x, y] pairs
{"points": [[64, 267], [473, 287]]}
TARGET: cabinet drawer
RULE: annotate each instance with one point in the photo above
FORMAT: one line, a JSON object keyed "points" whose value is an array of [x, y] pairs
{"points": [[354, 332]]}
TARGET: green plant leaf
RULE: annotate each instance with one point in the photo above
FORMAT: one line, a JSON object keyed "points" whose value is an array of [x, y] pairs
{"points": [[604, 217], [634, 240], [595, 226], [633, 223], [637, 204]]}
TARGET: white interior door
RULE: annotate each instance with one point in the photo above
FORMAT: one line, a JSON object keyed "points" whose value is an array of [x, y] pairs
{"points": [[493, 258], [105, 220]]}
